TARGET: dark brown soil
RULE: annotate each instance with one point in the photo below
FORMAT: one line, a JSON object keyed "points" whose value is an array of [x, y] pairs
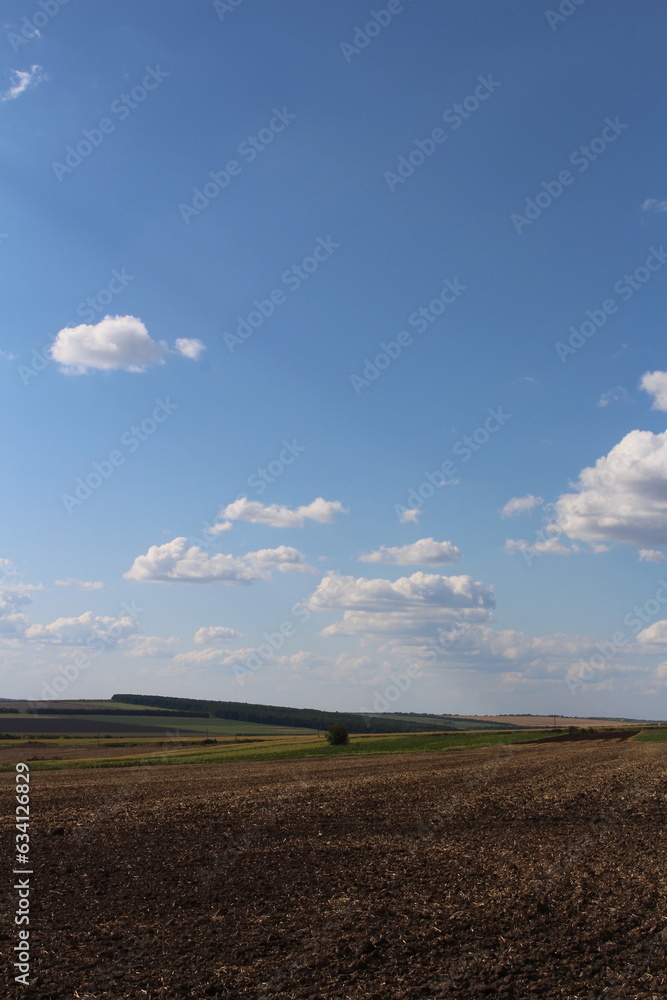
{"points": [[607, 734], [514, 872]]}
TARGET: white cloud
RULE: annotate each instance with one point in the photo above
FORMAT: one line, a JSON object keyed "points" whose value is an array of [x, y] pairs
{"points": [[14, 597], [652, 555], [216, 633], [479, 647], [150, 645], [284, 558], [278, 515], [21, 80], [654, 205], [189, 348], [421, 590], [86, 628], [408, 607], [622, 498], [410, 516], [344, 667], [547, 546], [213, 656], [13, 624], [520, 505], [80, 584], [655, 383], [424, 552], [616, 395], [116, 342], [655, 633], [179, 562]]}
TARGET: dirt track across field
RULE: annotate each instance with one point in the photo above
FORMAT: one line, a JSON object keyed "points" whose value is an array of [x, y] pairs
{"points": [[513, 872]]}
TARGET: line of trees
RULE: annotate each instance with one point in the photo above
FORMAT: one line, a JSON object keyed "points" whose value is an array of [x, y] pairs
{"points": [[162, 713], [274, 715]]}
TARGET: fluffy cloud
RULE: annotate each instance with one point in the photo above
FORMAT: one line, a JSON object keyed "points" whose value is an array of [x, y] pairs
{"points": [[14, 597], [655, 384], [179, 562], [412, 606], [87, 628], [425, 552], [189, 348], [150, 645], [421, 590], [116, 342], [13, 625], [216, 633], [520, 505], [279, 516], [652, 555], [655, 633], [622, 498], [21, 80], [80, 584], [410, 516]]}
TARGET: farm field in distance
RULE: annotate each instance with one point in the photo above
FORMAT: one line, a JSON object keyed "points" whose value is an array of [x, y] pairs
{"points": [[513, 871], [139, 751], [544, 721]]}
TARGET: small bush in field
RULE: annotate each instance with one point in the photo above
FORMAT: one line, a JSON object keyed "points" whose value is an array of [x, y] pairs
{"points": [[337, 735]]}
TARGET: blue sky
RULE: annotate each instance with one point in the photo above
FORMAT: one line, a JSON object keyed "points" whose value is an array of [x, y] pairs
{"points": [[168, 334]]}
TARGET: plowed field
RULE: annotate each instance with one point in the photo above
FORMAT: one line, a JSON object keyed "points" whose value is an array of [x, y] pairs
{"points": [[513, 872]]}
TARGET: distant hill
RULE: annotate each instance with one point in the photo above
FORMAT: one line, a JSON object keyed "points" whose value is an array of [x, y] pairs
{"points": [[274, 715]]}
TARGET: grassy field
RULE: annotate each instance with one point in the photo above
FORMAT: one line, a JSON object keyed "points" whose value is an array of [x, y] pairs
{"points": [[447, 720], [652, 735], [297, 747], [106, 724]]}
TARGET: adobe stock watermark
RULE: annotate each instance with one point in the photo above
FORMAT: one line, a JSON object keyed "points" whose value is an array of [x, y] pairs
{"points": [[263, 477], [121, 107], [419, 320], [301, 611], [81, 660], [566, 8], [581, 158], [638, 618], [258, 481], [292, 279], [46, 11], [130, 441], [625, 288], [363, 35], [401, 683], [547, 539], [248, 150], [454, 117], [224, 7], [88, 309], [447, 472]]}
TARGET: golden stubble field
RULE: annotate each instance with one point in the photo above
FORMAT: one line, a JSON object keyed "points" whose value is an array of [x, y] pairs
{"points": [[522, 871], [546, 721]]}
